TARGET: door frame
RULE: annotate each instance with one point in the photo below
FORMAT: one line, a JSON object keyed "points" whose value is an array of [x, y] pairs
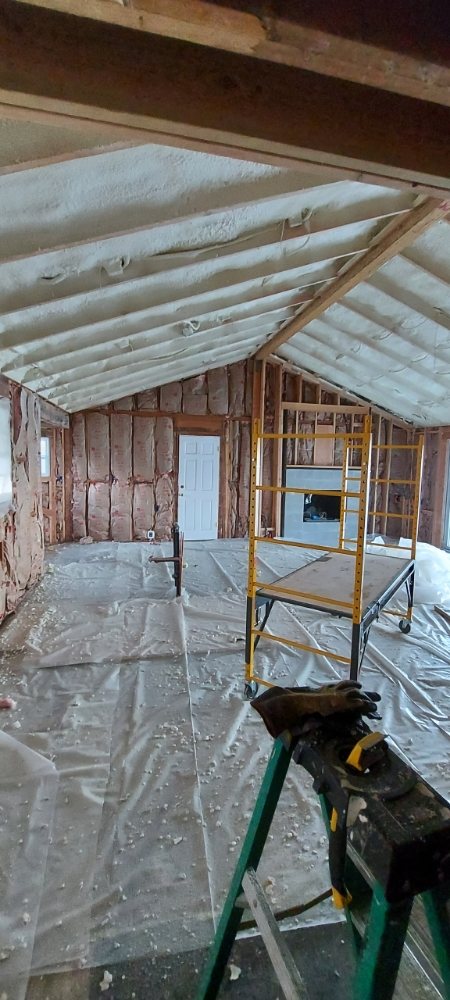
{"points": [[216, 427], [184, 432]]}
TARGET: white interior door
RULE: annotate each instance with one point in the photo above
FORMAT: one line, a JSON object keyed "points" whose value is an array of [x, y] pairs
{"points": [[198, 486]]}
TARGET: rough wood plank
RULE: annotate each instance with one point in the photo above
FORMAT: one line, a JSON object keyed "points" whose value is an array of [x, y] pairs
{"points": [[292, 38], [363, 132], [53, 415]]}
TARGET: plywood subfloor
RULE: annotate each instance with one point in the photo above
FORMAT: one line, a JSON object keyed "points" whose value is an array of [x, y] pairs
{"points": [[329, 582]]}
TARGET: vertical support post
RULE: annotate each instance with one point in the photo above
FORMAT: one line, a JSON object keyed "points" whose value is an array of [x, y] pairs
{"points": [[250, 855], [376, 472], [416, 501], [344, 485], [258, 399], [253, 529], [386, 476], [277, 456], [366, 452], [52, 488], [68, 485]]}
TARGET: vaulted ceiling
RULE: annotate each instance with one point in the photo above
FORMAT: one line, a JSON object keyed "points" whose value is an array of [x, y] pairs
{"points": [[127, 268]]}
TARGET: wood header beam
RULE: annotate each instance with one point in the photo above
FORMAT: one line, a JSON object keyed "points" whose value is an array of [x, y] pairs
{"points": [[301, 38], [50, 413], [391, 241], [76, 69], [53, 415]]}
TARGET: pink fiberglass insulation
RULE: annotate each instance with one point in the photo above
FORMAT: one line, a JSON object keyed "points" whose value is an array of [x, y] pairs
{"points": [[218, 391], [170, 397], [98, 446], [144, 449], [237, 389], [195, 398], [125, 403], [164, 445], [121, 511], [143, 510], [121, 466], [164, 506], [147, 400], [99, 511]]}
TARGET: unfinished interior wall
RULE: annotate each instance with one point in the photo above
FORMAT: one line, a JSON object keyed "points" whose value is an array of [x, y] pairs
{"points": [[299, 388], [52, 487], [125, 456], [436, 467], [21, 528]]}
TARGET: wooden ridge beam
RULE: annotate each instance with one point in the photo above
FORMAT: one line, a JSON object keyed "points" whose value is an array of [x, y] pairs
{"points": [[295, 38], [226, 103], [391, 241]]}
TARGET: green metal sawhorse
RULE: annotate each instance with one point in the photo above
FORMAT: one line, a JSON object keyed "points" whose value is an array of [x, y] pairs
{"points": [[378, 950]]}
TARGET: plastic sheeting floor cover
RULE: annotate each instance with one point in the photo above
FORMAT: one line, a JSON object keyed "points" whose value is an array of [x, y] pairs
{"points": [[131, 763]]}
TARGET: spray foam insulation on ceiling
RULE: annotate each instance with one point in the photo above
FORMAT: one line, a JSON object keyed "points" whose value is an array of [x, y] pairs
{"points": [[139, 267]]}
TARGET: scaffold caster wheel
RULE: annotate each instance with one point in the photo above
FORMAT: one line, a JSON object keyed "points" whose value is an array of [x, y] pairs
{"points": [[250, 690], [404, 626]]}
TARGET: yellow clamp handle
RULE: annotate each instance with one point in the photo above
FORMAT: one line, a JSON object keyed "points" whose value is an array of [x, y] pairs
{"points": [[366, 743]]}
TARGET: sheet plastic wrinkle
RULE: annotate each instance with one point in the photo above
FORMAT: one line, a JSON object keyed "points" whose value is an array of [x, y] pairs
{"points": [[28, 792], [159, 758]]}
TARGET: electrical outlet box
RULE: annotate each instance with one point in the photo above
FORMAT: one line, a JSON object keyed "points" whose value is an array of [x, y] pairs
{"points": [[150, 536]]}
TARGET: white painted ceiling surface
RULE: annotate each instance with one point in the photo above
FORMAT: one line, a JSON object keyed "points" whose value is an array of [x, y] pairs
{"points": [[135, 267]]}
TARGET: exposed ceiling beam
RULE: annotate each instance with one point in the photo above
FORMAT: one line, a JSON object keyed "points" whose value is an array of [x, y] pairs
{"points": [[297, 37], [53, 415], [392, 240], [221, 102]]}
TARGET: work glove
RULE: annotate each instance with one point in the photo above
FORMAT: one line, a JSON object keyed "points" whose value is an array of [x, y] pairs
{"points": [[285, 708]]}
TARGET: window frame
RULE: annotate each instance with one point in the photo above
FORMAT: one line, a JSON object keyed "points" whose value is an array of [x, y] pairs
{"points": [[6, 497]]}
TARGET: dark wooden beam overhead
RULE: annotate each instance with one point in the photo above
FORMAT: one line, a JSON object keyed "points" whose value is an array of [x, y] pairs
{"points": [[78, 69], [402, 48], [53, 415]]}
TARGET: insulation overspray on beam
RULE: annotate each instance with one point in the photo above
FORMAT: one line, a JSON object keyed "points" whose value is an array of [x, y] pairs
{"points": [[21, 529]]}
